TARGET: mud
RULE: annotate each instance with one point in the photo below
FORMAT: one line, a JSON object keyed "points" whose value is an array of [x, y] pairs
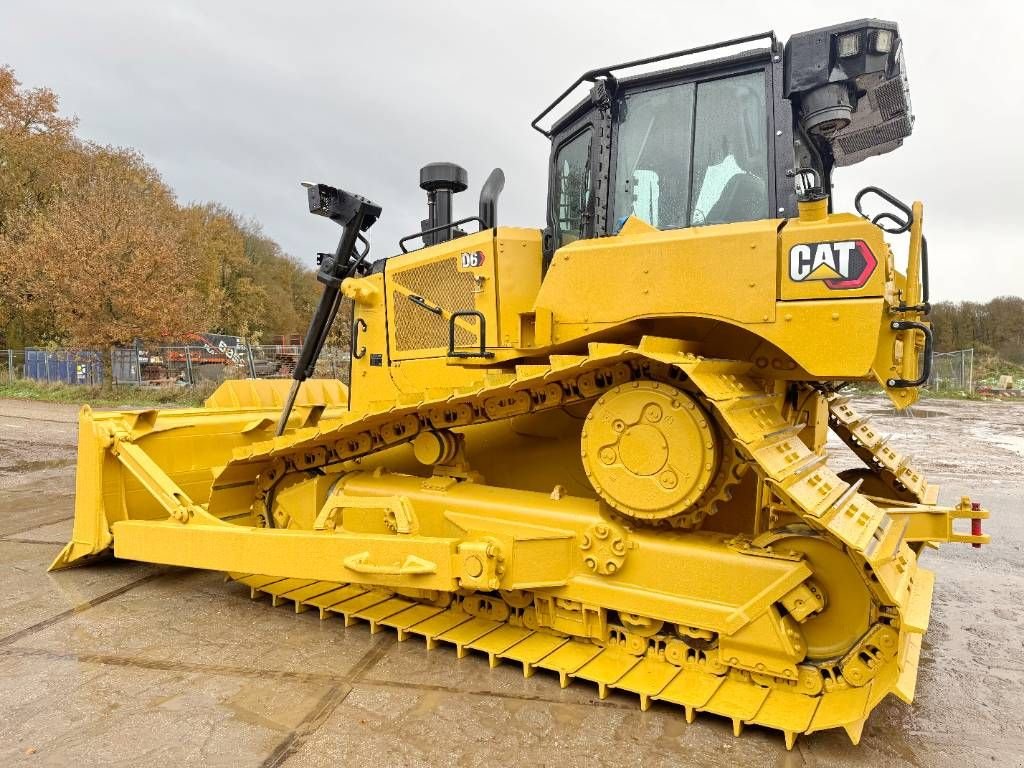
{"points": [[35, 438], [127, 664]]}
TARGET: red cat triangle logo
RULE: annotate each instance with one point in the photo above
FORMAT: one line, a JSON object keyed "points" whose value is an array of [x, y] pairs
{"points": [[841, 264]]}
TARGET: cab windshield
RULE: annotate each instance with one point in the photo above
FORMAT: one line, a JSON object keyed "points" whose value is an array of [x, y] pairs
{"points": [[693, 153]]}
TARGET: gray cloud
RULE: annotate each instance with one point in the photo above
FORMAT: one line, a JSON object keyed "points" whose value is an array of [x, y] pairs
{"points": [[239, 101]]}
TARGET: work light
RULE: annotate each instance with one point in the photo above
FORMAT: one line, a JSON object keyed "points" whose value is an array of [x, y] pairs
{"points": [[849, 45], [882, 40]]}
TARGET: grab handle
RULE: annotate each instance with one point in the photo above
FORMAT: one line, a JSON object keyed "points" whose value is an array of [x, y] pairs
{"points": [[926, 367], [902, 224], [358, 352], [411, 566]]}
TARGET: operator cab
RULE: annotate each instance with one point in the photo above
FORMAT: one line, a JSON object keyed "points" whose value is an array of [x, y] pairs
{"points": [[712, 143]]}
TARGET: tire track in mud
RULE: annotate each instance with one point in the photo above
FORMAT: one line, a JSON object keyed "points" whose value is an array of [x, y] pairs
{"points": [[81, 607], [330, 701]]}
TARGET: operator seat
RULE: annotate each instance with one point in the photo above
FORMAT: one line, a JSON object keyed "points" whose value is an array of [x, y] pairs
{"points": [[743, 199]]}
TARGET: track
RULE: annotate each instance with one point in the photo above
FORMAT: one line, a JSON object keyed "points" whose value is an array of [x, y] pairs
{"points": [[893, 467], [840, 693], [646, 673]]}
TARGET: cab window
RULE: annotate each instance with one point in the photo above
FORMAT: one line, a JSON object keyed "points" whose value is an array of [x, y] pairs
{"points": [[693, 153], [730, 151], [572, 180], [652, 168]]}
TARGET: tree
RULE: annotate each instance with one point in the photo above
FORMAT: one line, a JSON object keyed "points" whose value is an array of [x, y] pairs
{"points": [[37, 147], [211, 234], [290, 290], [106, 259], [997, 325], [95, 250]]}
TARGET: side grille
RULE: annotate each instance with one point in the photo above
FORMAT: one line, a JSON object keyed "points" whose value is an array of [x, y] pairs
{"points": [[442, 285]]}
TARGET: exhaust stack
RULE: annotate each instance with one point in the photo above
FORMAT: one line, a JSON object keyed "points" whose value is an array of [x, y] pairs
{"points": [[489, 198]]}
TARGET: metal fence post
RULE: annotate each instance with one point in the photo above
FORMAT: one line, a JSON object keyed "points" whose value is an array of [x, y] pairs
{"points": [[252, 364], [188, 366], [10, 366]]}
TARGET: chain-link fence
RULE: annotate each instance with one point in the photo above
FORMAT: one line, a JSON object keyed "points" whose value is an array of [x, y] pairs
{"points": [[53, 366], [12, 365], [952, 371], [186, 365]]}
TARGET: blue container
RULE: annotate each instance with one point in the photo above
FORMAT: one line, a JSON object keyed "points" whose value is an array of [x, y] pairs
{"points": [[80, 367]]}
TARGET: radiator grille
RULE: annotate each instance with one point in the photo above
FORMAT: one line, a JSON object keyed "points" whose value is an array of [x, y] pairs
{"points": [[442, 285]]}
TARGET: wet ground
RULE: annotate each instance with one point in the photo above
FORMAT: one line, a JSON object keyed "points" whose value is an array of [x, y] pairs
{"points": [[126, 665]]}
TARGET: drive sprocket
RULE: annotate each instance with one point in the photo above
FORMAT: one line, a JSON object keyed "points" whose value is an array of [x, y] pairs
{"points": [[731, 469], [656, 456]]}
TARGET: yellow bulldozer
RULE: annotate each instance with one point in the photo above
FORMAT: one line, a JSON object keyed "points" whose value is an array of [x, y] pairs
{"points": [[600, 449]]}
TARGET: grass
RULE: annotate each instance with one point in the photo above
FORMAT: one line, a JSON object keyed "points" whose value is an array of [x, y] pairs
{"points": [[107, 395], [871, 388]]}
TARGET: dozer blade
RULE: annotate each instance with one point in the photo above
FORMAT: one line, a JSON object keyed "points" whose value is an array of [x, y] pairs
{"points": [[91, 533], [186, 446]]}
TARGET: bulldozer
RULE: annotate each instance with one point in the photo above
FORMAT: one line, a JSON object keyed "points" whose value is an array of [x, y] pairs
{"points": [[600, 448]]}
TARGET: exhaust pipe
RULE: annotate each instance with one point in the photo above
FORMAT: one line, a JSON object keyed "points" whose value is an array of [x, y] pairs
{"points": [[489, 198]]}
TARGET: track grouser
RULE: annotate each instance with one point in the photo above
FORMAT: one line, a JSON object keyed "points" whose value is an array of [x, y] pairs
{"points": [[600, 448]]}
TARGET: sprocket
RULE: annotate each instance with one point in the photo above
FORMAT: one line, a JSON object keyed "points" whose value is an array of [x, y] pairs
{"points": [[731, 469]]}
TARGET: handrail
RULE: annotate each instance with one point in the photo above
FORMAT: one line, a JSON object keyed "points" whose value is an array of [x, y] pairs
{"points": [[926, 367], [591, 75], [439, 228]]}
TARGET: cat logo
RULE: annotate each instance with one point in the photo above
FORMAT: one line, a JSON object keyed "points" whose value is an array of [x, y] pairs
{"points": [[841, 265]]}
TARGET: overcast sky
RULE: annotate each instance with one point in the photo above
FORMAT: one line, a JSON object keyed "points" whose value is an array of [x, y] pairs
{"points": [[238, 101]]}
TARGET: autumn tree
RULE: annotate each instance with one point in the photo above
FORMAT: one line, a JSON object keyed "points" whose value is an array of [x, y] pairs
{"points": [[106, 259], [94, 249], [37, 149], [36, 145], [290, 290], [253, 288], [213, 237]]}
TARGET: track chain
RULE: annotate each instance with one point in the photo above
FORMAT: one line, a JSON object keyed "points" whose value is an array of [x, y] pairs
{"points": [[749, 414], [894, 468], [653, 670], [567, 380]]}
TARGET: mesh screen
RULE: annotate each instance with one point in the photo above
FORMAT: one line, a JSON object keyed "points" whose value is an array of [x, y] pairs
{"points": [[874, 136], [442, 285], [891, 99]]}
